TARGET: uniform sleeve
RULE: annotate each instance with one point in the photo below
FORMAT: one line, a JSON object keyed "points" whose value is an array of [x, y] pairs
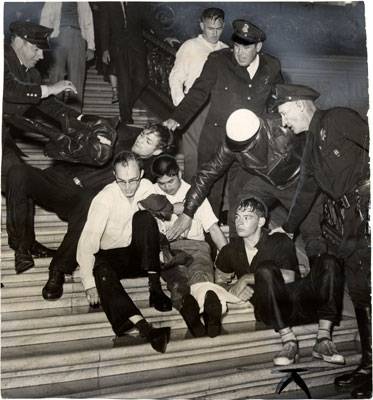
{"points": [[206, 177], [198, 93], [90, 239], [178, 74], [306, 191], [16, 91], [353, 128]]}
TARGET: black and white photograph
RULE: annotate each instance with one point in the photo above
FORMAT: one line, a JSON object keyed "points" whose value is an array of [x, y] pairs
{"points": [[186, 200]]}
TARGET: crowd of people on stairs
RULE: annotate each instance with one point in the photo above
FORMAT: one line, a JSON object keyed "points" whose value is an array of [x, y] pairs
{"points": [[249, 137]]}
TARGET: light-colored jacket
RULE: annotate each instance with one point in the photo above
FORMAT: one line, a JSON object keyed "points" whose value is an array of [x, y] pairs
{"points": [[51, 17]]}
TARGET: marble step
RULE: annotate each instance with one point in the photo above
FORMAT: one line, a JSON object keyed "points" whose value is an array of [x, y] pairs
{"points": [[93, 325], [29, 365], [193, 376], [241, 382]]}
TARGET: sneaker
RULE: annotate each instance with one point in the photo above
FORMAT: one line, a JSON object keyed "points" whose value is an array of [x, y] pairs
{"points": [[326, 350], [288, 355]]}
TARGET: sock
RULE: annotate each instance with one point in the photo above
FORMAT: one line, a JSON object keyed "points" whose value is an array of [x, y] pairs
{"points": [[325, 329], [287, 335], [143, 327]]}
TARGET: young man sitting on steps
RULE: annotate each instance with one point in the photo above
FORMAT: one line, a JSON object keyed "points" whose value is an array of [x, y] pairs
{"points": [[118, 241], [266, 268]]}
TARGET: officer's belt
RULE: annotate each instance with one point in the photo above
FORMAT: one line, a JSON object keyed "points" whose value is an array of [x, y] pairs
{"points": [[362, 188]]}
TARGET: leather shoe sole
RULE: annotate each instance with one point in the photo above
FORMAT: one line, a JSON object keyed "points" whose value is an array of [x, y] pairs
{"points": [[190, 312], [159, 338], [212, 314]]}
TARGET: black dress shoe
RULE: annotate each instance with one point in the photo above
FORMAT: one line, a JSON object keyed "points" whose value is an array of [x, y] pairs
{"points": [[363, 391], [354, 378], [212, 314], [159, 300], [40, 251], [190, 312], [159, 338], [23, 260], [53, 289]]}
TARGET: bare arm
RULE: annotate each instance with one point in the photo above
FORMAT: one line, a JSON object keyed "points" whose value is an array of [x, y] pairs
{"points": [[218, 236]]}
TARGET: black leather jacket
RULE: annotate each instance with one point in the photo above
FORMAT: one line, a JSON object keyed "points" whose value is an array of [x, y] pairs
{"points": [[275, 155]]}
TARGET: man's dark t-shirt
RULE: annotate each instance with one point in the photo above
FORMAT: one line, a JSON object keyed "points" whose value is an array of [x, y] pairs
{"points": [[278, 249]]}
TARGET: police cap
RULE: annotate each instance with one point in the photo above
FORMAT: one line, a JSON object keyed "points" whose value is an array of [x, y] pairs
{"points": [[284, 93], [246, 33], [33, 33]]}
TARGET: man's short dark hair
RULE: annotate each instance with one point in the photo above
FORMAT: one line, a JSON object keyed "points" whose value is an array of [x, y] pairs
{"points": [[212, 13], [166, 137], [124, 157], [165, 164], [255, 205]]}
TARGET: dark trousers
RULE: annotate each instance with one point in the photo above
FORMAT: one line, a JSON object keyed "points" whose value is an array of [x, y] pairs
{"points": [[356, 250], [55, 193], [112, 265], [241, 185], [130, 67], [317, 296]]}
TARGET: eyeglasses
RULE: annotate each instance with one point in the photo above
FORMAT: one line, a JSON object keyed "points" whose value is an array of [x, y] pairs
{"points": [[131, 182]]}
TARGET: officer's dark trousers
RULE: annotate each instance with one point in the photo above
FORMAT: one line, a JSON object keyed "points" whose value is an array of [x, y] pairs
{"points": [[55, 193], [317, 296], [130, 67], [112, 265], [241, 185], [356, 252]]}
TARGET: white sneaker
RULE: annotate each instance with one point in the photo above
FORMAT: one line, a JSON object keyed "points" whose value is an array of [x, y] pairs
{"points": [[288, 355], [326, 350]]}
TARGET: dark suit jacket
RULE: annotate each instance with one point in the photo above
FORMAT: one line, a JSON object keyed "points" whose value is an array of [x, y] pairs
{"points": [[114, 31]]}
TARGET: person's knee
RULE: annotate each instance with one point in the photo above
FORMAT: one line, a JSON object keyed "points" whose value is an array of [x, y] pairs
{"points": [[266, 272], [102, 272], [143, 218]]}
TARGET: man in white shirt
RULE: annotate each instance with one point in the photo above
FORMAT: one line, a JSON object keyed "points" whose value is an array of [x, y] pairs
{"points": [[170, 184], [189, 62], [119, 241]]}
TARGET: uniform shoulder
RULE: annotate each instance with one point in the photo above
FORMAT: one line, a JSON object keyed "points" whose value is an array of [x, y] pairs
{"points": [[222, 53], [271, 60]]}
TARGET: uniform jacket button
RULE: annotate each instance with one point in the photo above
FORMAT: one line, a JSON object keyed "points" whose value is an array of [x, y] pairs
{"points": [[215, 124], [249, 98]]}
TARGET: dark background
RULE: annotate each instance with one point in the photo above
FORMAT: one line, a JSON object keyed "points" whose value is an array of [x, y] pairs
{"points": [[300, 27]]}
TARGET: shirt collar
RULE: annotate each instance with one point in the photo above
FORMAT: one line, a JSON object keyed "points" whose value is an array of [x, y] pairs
{"points": [[253, 67]]}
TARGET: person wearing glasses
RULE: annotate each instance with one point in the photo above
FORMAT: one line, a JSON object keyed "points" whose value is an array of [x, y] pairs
{"points": [[67, 190], [121, 241]]}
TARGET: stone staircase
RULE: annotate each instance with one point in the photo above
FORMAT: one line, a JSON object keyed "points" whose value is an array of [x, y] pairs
{"points": [[65, 349]]}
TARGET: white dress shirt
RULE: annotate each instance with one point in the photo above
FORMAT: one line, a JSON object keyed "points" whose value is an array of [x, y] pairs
{"points": [[108, 225]]}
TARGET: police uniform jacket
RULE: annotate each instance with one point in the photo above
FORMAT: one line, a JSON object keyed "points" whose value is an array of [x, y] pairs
{"points": [[275, 155], [335, 159], [230, 87], [22, 91]]}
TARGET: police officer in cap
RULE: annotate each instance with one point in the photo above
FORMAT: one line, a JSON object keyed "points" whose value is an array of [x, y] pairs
{"points": [[233, 78], [24, 90], [336, 161]]}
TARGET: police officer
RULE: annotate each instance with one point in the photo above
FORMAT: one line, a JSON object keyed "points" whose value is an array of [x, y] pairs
{"points": [[336, 161], [23, 89], [80, 141], [238, 77]]}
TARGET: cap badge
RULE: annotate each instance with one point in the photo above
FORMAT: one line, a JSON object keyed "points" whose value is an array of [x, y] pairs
{"points": [[323, 134], [245, 28]]}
